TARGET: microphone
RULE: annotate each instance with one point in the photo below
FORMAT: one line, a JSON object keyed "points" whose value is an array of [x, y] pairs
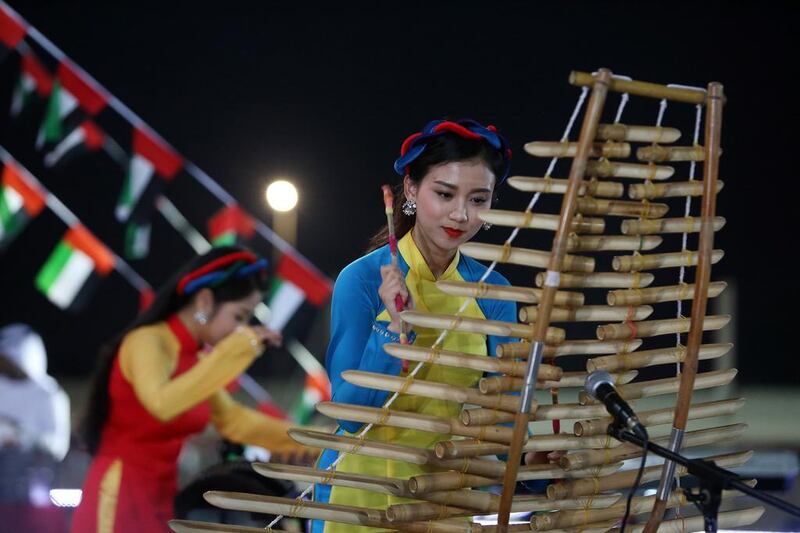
{"points": [[600, 386]]}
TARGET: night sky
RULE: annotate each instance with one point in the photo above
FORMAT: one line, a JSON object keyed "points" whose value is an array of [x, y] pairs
{"points": [[325, 95]]}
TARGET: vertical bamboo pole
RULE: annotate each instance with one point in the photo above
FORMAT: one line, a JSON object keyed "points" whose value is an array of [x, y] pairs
{"points": [[713, 131], [588, 132]]}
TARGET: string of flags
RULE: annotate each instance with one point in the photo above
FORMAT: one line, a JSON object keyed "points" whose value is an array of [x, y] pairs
{"points": [[78, 113]]}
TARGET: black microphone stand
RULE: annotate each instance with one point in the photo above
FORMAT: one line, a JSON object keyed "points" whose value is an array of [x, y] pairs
{"points": [[713, 480]]}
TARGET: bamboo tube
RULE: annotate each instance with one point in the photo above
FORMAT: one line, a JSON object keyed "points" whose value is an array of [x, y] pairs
{"points": [[603, 189], [669, 293], [329, 512], [641, 88], [653, 328], [620, 208], [603, 243], [627, 263], [385, 450], [576, 488], [524, 256], [499, 384], [580, 347], [667, 225], [607, 169], [659, 356], [657, 153], [588, 313], [403, 419], [569, 149], [455, 449], [725, 519], [506, 292], [478, 325], [598, 426], [440, 481], [587, 458], [657, 387], [608, 280], [471, 361], [194, 526], [431, 389], [258, 503], [529, 220], [407, 512], [639, 134], [487, 502], [639, 505], [305, 474], [482, 417], [672, 189]]}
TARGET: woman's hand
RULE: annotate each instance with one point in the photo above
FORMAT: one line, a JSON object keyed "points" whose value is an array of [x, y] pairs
{"points": [[268, 337], [394, 284], [541, 458]]}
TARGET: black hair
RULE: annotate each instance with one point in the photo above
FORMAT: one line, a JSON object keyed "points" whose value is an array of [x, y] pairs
{"points": [[167, 302], [446, 148]]}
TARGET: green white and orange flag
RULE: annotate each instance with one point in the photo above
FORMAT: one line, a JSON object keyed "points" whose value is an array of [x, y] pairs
{"points": [[33, 79], [150, 156], [20, 201], [295, 283], [231, 225], [317, 389], [72, 98], [73, 268]]}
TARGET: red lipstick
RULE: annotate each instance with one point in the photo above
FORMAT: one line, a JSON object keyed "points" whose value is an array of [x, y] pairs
{"points": [[454, 233]]}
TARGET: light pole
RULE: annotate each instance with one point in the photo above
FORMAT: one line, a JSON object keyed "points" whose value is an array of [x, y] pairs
{"points": [[282, 198]]}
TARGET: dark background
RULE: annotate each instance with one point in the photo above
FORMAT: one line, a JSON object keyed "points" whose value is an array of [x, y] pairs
{"points": [[326, 94]]}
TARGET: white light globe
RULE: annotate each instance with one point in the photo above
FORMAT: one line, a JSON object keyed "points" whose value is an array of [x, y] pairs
{"points": [[282, 195]]}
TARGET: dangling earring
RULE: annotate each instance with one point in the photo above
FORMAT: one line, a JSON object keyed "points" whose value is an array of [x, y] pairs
{"points": [[409, 208], [486, 225], [201, 318]]}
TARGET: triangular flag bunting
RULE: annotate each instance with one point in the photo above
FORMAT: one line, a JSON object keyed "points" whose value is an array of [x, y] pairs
{"points": [[137, 240], [317, 389], [87, 137], [231, 225], [71, 271], [33, 78], [20, 201], [12, 31], [294, 283], [71, 99], [150, 156]]}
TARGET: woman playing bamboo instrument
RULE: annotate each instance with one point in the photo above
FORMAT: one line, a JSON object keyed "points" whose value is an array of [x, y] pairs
{"points": [[450, 172], [156, 387]]}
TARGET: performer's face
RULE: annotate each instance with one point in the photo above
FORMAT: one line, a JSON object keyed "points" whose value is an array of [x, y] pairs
{"points": [[449, 198], [228, 316]]}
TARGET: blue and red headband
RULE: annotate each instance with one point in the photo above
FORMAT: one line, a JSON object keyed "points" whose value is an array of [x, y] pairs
{"points": [[218, 271], [415, 144]]}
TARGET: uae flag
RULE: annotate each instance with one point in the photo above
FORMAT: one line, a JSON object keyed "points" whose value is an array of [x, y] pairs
{"points": [[137, 240], [317, 389], [150, 157], [87, 137], [76, 265], [33, 79], [295, 283], [20, 201], [231, 225], [72, 99], [12, 31]]}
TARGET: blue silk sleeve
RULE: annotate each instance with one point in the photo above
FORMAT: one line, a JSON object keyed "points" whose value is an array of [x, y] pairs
{"points": [[357, 340]]}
